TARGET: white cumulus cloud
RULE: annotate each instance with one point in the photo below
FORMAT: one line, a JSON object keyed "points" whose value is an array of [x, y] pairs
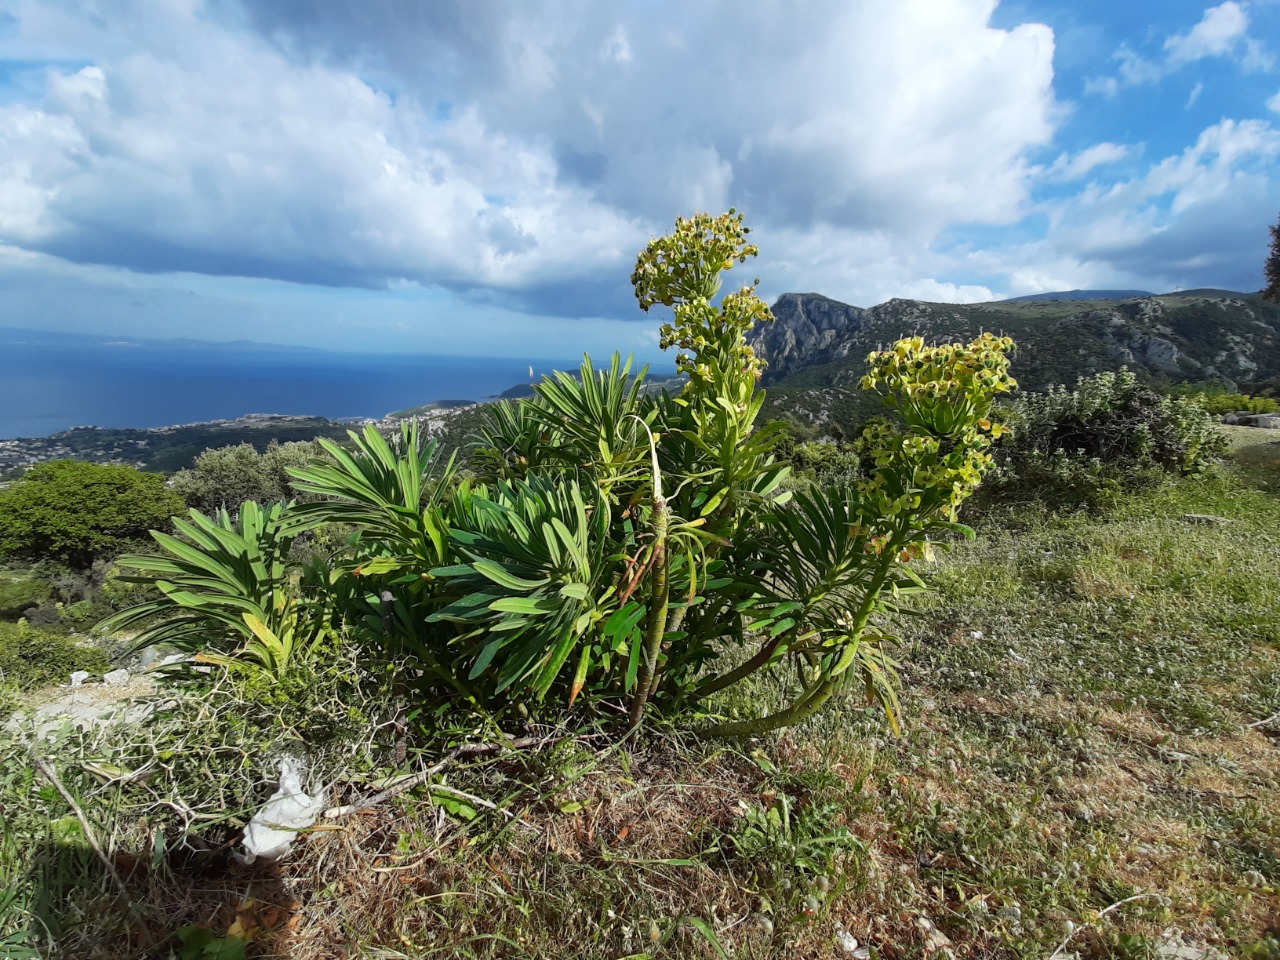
{"points": [[1190, 219], [1217, 34], [514, 156], [1073, 167], [1221, 32]]}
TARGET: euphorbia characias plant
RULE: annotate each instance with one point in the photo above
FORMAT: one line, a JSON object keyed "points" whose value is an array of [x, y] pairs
{"points": [[840, 557], [619, 552]]}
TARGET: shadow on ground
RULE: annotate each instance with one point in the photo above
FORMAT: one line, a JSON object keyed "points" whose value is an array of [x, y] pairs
{"points": [[175, 905]]}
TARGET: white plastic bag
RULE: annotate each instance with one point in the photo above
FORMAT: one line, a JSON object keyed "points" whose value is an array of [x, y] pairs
{"points": [[290, 809]]}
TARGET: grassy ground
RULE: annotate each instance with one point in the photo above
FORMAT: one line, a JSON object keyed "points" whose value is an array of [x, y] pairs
{"points": [[1090, 765]]}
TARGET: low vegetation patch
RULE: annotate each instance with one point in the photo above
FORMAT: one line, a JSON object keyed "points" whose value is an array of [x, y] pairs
{"points": [[31, 657], [1110, 434]]}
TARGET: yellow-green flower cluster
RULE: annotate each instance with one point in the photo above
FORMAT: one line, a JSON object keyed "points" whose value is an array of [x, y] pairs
{"points": [[932, 462], [685, 266], [943, 389], [708, 337]]}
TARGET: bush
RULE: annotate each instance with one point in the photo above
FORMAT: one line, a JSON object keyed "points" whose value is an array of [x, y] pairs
{"points": [[1219, 398], [226, 477], [617, 552], [825, 463], [18, 596], [50, 595], [1111, 434], [233, 597], [30, 657], [1224, 403], [72, 512]]}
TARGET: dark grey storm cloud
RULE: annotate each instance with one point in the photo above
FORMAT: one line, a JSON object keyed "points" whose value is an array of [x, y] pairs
{"points": [[1209, 244]]}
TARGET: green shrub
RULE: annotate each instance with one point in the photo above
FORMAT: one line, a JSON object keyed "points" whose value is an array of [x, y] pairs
{"points": [[1219, 402], [615, 551], [227, 592], [226, 477], [1110, 434], [339, 695], [10, 698], [784, 836], [84, 615], [824, 463], [18, 596], [30, 657], [75, 513]]}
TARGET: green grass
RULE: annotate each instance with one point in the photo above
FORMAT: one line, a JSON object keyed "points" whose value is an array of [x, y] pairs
{"points": [[1086, 751], [1097, 679]]}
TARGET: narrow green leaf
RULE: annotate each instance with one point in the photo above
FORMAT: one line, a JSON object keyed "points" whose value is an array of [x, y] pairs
{"points": [[708, 934], [782, 626], [455, 570], [624, 620], [505, 578], [487, 653], [580, 675], [716, 499], [559, 654], [526, 606]]}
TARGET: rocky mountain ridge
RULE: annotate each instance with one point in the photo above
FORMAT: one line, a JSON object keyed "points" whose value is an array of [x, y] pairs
{"points": [[816, 349], [1199, 336]]}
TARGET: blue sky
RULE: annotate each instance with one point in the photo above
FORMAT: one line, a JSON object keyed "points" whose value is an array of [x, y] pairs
{"points": [[476, 178]]}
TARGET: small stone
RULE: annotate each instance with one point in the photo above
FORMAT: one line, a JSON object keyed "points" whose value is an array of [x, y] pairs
{"points": [[116, 678], [1174, 949], [936, 943], [977, 634], [1010, 912], [1254, 879], [848, 942], [79, 677]]}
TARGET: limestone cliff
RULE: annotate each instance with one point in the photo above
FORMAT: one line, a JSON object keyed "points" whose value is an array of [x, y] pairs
{"points": [[1194, 335]]}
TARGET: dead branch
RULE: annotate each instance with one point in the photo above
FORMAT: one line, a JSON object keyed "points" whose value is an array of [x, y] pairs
{"points": [[420, 778]]}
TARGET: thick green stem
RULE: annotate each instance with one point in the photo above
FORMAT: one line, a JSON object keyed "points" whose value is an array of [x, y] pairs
{"points": [[820, 692], [802, 709], [742, 671], [656, 624], [674, 623]]}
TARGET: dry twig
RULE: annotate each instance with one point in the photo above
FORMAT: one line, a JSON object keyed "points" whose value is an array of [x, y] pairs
{"points": [[1102, 913], [418, 779], [89, 836]]}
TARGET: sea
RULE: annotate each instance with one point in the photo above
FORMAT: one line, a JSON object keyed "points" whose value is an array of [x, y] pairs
{"points": [[51, 382]]}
